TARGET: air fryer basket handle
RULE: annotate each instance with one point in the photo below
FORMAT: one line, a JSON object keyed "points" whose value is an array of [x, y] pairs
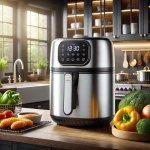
{"points": [[74, 90], [70, 92]]}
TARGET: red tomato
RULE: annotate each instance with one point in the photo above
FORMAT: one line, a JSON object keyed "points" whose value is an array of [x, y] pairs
{"points": [[2, 116], [8, 113], [146, 111]]}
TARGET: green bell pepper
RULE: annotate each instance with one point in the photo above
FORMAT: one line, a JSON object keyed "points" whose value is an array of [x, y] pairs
{"points": [[10, 97]]}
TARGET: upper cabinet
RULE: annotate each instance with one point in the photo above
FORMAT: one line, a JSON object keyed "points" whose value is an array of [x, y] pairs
{"points": [[131, 19], [102, 18], [115, 19], [75, 17]]}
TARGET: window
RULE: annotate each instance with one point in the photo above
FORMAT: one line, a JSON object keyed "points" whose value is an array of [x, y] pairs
{"points": [[6, 34], [37, 41]]}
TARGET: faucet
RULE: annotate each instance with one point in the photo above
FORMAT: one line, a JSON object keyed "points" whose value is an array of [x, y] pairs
{"points": [[15, 64]]}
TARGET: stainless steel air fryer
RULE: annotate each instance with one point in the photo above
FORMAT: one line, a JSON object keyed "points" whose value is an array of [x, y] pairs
{"points": [[82, 81]]}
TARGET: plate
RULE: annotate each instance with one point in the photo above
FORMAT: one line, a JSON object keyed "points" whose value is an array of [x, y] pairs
{"points": [[134, 136], [37, 125]]}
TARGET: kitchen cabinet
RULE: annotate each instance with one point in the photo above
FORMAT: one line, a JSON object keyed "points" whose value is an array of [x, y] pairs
{"points": [[74, 17], [131, 20], [102, 18], [116, 19]]}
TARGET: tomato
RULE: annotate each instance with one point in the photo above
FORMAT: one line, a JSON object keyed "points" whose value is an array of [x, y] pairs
{"points": [[146, 111], [2, 116], [8, 113]]}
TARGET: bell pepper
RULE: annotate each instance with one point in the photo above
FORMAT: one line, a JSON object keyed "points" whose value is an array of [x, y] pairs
{"points": [[126, 119], [10, 97]]}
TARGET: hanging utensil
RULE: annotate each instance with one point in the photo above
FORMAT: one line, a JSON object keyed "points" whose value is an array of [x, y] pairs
{"points": [[133, 61], [146, 58], [139, 60], [125, 62]]}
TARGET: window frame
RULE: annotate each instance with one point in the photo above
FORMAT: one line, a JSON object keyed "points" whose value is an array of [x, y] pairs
{"points": [[44, 12], [14, 30]]}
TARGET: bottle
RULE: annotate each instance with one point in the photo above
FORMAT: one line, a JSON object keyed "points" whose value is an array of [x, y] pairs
{"points": [[19, 79], [9, 79]]}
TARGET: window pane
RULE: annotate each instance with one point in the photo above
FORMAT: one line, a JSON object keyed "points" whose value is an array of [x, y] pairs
{"points": [[8, 49], [7, 29], [34, 32], [0, 12], [42, 21], [34, 19], [28, 18], [28, 31], [10, 68], [1, 47], [7, 14], [29, 50], [34, 53], [1, 28], [42, 34]]}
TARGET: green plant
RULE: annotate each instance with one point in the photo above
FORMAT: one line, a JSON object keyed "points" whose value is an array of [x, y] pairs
{"points": [[3, 63], [41, 64]]}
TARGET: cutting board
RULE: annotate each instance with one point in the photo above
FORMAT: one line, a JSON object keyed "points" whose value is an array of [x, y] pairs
{"points": [[134, 136]]}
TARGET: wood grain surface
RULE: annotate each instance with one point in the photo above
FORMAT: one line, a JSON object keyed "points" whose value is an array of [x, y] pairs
{"points": [[54, 135]]}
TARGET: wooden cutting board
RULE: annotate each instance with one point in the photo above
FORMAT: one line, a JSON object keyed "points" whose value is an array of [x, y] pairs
{"points": [[134, 136]]}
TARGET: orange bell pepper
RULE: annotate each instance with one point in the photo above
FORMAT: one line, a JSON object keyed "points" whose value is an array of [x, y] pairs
{"points": [[126, 119]]}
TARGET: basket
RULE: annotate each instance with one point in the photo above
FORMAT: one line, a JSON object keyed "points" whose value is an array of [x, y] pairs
{"points": [[16, 108]]}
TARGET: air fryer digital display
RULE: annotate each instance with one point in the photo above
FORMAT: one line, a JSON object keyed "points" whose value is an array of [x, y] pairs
{"points": [[74, 52]]}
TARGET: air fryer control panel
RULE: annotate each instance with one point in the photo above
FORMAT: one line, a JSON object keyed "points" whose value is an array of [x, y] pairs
{"points": [[74, 52]]}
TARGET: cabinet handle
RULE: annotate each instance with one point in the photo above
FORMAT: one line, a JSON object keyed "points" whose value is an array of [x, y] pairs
{"points": [[144, 34]]}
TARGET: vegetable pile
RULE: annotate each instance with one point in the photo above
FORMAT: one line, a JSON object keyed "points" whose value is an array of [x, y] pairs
{"points": [[134, 113], [9, 97]]}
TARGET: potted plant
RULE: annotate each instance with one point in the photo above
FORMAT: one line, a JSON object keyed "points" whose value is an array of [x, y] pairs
{"points": [[41, 67], [3, 66]]}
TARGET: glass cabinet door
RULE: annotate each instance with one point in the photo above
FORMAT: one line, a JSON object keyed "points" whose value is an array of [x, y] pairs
{"points": [[102, 20], [75, 17], [130, 16]]}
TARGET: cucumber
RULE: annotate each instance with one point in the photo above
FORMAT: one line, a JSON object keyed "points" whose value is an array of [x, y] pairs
{"points": [[143, 126]]}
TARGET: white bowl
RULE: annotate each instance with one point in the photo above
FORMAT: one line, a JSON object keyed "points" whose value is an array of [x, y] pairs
{"points": [[98, 22], [34, 116], [76, 25]]}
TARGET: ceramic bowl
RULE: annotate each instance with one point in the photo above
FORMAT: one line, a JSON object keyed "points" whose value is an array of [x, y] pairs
{"points": [[77, 25], [34, 116]]}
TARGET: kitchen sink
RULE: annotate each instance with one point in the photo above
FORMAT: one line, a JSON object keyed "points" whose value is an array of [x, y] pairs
{"points": [[31, 92]]}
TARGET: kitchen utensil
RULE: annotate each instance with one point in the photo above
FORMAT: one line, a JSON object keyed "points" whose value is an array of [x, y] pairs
{"points": [[83, 76], [125, 29], [134, 28], [98, 22], [96, 34], [133, 61], [139, 60], [146, 58], [76, 25], [144, 75], [125, 62], [121, 76]]}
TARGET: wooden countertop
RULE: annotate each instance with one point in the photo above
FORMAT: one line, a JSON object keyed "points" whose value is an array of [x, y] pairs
{"points": [[53, 135]]}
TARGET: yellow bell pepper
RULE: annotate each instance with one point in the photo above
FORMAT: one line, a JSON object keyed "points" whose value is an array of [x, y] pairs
{"points": [[126, 119]]}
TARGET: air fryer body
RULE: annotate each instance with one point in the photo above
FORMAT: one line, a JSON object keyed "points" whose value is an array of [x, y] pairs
{"points": [[82, 81]]}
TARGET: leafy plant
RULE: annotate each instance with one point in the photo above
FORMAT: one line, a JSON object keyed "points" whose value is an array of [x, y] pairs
{"points": [[41, 64], [3, 63]]}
